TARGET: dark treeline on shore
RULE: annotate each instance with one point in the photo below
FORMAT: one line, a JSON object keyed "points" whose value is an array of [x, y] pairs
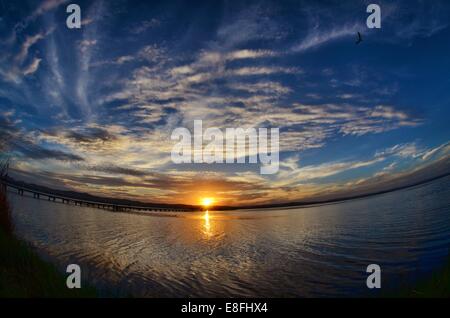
{"points": [[89, 197], [23, 274], [106, 200]]}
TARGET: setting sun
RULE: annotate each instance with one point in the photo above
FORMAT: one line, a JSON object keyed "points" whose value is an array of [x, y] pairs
{"points": [[207, 202]]}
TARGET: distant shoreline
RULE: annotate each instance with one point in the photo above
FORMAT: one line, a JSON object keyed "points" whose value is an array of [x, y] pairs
{"points": [[23, 273], [85, 196], [343, 199]]}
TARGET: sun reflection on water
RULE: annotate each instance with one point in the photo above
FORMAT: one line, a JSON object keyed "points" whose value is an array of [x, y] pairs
{"points": [[207, 225]]}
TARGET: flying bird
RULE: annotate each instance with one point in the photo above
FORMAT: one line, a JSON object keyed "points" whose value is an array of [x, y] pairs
{"points": [[359, 38]]}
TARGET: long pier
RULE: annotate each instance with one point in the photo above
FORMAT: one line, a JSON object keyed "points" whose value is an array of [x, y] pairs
{"points": [[80, 202]]}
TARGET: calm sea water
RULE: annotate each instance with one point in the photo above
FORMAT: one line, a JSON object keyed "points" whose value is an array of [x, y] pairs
{"points": [[316, 251]]}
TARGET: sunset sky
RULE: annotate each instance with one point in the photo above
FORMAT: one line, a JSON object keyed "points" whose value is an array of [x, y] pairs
{"points": [[93, 109]]}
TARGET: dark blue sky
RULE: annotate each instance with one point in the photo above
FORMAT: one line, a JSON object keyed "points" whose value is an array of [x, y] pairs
{"points": [[93, 109]]}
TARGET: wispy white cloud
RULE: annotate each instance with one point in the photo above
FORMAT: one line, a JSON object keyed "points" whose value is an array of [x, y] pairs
{"points": [[408, 150], [318, 37], [250, 24], [145, 25], [292, 174], [263, 70], [251, 54], [85, 44], [13, 68], [45, 6], [430, 153], [33, 67], [29, 41]]}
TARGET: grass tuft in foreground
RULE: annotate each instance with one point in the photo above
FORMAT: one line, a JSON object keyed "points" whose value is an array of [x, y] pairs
{"points": [[22, 273], [6, 224], [438, 286]]}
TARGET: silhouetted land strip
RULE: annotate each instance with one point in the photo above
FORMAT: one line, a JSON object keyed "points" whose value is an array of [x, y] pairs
{"points": [[341, 199], [23, 273], [77, 198], [84, 199]]}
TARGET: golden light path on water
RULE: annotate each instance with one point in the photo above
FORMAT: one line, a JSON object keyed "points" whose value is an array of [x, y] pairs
{"points": [[207, 225], [207, 202]]}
